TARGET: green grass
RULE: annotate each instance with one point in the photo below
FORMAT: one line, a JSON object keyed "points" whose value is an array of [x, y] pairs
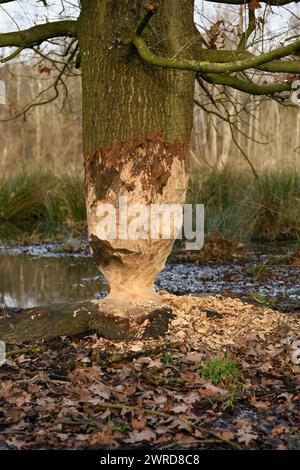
{"points": [[37, 204], [220, 369], [257, 297], [33, 204], [220, 192], [276, 206], [65, 202], [111, 425], [258, 270], [168, 358], [240, 207]]}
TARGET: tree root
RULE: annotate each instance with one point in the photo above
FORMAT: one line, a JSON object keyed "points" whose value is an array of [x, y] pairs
{"points": [[70, 319]]}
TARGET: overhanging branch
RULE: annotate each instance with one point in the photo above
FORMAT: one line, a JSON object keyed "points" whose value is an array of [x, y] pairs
{"points": [[247, 87], [225, 56], [207, 67], [275, 3], [37, 34]]}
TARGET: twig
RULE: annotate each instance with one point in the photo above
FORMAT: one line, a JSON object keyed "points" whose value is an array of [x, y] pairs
{"points": [[17, 352], [12, 56], [160, 414], [250, 29], [150, 9]]}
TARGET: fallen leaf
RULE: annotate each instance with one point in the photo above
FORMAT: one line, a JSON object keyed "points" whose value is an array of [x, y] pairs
{"points": [[181, 408], [210, 390], [102, 438], [228, 435], [245, 433], [278, 430], [137, 436], [100, 390], [138, 424], [260, 405]]}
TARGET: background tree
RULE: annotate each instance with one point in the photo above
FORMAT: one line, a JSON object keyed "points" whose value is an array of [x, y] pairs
{"points": [[139, 61]]}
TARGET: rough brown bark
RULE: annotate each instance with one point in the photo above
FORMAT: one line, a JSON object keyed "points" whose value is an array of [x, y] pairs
{"points": [[137, 121], [69, 319], [136, 126]]}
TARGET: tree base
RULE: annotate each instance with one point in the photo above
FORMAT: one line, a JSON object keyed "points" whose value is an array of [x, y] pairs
{"points": [[69, 319]]}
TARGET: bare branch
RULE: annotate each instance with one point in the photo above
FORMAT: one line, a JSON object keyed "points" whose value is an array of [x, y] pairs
{"points": [[247, 87], [275, 3], [206, 67], [37, 34], [150, 9], [250, 29], [221, 56], [13, 55], [58, 80]]}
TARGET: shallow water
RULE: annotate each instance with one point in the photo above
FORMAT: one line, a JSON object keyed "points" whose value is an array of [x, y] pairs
{"points": [[27, 281], [33, 276]]}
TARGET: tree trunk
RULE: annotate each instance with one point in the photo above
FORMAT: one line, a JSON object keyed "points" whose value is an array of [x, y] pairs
{"points": [[137, 122], [70, 319]]}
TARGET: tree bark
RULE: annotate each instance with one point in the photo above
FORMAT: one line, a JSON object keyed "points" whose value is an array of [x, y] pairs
{"points": [[70, 319], [137, 122]]}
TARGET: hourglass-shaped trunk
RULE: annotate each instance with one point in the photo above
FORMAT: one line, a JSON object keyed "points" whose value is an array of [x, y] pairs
{"points": [[137, 121]]}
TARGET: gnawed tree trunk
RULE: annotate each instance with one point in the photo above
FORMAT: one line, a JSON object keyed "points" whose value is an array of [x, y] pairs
{"points": [[70, 319], [137, 121]]}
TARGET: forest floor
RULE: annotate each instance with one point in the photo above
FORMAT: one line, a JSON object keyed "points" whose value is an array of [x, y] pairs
{"points": [[226, 376]]}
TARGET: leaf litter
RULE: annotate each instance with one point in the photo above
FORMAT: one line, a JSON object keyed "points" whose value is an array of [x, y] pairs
{"points": [[93, 393]]}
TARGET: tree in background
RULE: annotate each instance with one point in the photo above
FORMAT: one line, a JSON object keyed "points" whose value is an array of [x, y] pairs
{"points": [[139, 61]]}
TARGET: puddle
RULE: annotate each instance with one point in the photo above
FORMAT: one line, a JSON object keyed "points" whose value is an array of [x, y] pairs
{"points": [[31, 276], [27, 281]]}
